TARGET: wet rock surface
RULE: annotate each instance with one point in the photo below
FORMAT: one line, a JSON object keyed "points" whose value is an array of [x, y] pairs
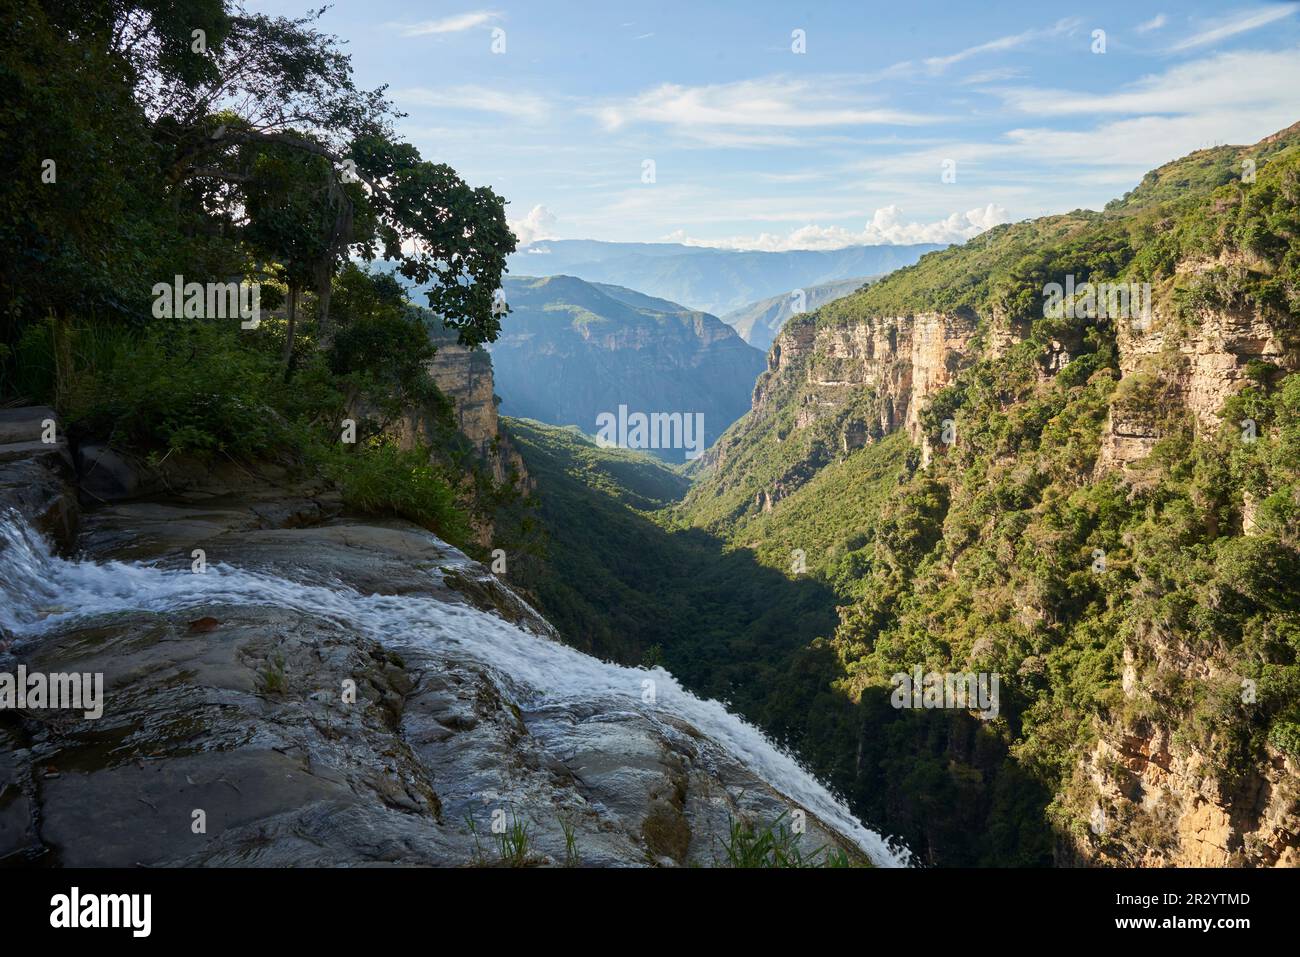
{"points": [[36, 476], [237, 733]]}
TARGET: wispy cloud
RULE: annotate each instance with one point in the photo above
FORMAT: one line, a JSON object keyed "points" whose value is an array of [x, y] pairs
{"points": [[937, 64], [1247, 20], [1116, 151], [1155, 23], [1235, 97], [992, 76], [523, 106], [776, 103], [1249, 81], [453, 24], [806, 176]]}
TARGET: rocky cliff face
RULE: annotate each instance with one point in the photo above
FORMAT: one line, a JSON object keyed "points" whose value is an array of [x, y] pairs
{"points": [[464, 375], [835, 388], [1155, 804], [1166, 808], [902, 360], [1198, 364], [332, 692]]}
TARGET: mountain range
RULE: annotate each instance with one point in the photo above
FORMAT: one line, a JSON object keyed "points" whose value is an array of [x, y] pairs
{"points": [[712, 280], [759, 322], [572, 351]]}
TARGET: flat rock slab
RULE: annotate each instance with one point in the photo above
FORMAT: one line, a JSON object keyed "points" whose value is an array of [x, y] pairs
{"points": [[26, 424]]}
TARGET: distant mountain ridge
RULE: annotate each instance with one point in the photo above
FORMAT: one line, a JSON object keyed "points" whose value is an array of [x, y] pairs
{"points": [[712, 280], [572, 350], [759, 322]]}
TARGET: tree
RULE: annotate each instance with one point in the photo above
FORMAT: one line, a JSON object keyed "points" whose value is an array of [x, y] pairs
{"points": [[190, 137], [281, 83], [298, 218]]}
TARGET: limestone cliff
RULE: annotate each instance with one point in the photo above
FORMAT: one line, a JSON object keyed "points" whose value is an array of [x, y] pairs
{"points": [[903, 360], [464, 375], [1154, 800], [832, 388], [1154, 805], [1198, 365]]}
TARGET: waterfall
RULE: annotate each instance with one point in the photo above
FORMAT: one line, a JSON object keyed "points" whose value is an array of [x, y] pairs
{"points": [[41, 593]]}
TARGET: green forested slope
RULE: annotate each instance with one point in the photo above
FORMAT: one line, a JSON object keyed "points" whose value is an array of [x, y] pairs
{"points": [[987, 560]]}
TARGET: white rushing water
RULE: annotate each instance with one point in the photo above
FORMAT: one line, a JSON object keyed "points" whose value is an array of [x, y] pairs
{"points": [[40, 593]]}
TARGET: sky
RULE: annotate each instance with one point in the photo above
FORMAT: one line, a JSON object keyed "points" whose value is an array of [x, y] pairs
{"points": [[815, 125]]}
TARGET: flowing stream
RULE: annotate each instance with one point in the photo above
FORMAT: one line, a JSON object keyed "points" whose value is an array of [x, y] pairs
{"points": [[41, 593]]}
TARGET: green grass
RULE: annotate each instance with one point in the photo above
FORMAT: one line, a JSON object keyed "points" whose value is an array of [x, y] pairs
{"points": [[571, 856], [271, 677], [775, 845], [514, 844]]}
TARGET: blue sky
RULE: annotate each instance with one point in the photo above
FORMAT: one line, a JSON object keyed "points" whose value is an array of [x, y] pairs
{"points": [[757, 146]]}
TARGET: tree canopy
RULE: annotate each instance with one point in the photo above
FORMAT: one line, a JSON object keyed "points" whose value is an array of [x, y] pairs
{"points": [[151, 139]]}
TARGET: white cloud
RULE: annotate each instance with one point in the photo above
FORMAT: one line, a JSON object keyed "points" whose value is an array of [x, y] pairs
{"points": [[1155, 23], [523, 106], [538, 224], [886, 227], [1142, 143], [452, 24], [1231, 27], [780, 103], [993, 76], [937, 64], [1246, 81]]}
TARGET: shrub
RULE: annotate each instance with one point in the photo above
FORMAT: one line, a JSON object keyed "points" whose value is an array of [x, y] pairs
{"points": [[190, 387], [378, 477]]}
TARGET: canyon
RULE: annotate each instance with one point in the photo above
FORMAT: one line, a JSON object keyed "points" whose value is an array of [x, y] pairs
{"points": [[330, 691]]}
